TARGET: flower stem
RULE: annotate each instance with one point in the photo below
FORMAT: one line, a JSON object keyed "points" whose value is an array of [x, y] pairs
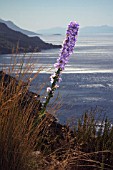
{"points": [[50, 93]]}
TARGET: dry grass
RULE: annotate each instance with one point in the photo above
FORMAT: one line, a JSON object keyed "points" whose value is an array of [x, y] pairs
{"points": [[19, 108], [17, 134]]}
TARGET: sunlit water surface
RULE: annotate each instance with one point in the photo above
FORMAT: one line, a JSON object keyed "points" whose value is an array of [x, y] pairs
{"points": [[88, 77]]}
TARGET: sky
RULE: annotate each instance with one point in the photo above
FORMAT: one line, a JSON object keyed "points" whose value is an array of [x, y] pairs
{"points": [[41, 14]]}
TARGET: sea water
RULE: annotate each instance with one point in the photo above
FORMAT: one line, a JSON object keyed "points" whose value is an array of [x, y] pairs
{"points": [[87, 82]]}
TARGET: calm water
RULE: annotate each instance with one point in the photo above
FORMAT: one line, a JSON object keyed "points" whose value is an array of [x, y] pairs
{"points": [[87, 79]]}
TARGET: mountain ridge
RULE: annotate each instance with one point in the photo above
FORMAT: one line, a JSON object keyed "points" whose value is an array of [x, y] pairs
{"points": [[54, 30], [14, 27], [97, 29], [10, 39]]}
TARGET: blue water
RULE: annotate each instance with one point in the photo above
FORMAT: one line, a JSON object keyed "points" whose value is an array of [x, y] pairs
{"points": [[88, 77]]}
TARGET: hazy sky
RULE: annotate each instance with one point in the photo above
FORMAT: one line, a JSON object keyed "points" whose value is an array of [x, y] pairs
{"points": [[40, 14]]}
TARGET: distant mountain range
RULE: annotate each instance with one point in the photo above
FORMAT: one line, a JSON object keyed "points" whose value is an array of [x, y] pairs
{"points": [[10, 39], [11, 25], [85, 30], [60, 30], [54, 30], [97, 29]]}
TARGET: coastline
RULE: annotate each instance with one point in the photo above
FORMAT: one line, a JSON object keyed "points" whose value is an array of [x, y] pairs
{"points": [[16, 42]]}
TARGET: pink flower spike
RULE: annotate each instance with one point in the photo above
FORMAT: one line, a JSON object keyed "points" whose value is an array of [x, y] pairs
{"points": [[64, 56]]}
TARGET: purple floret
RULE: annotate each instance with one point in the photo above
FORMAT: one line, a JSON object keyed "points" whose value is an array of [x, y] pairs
{"points": [[68, 46]]}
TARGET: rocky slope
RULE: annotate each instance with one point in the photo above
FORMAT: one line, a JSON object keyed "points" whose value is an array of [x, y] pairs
{"points": [[14, 40]]}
